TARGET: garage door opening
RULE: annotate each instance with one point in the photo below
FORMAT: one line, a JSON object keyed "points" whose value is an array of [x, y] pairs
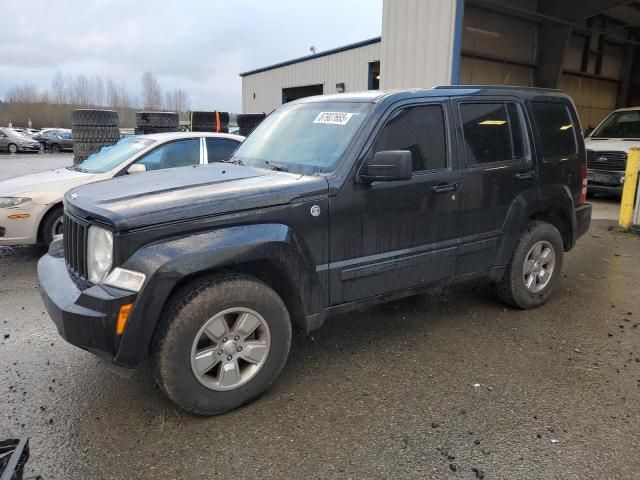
{"points": [[294, 93], [374, 76]]}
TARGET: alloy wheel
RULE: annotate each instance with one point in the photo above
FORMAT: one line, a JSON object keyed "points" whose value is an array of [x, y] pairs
{"points": [[230, 349], [539, 266]]}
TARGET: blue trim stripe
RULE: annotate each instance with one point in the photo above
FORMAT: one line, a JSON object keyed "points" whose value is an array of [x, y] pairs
{"points": [[457, 43]]}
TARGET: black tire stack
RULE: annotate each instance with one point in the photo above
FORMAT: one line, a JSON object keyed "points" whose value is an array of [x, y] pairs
{"points": [[210, 122], [248, 121], [156, 122], [92, 130]]}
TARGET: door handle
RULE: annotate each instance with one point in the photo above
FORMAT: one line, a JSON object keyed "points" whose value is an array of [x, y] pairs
{"points": [[445, 187], [525, 175]]}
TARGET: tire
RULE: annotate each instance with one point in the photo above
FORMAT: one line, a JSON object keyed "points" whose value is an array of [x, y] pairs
{"points": [[82, 150], [94, 118], [175, 342], [209, 128], [12, 148], [250, 120], [95, 134], [157, 119], [512, 288], [150, 130], [209, 118], [56, 148], [52, 220]]}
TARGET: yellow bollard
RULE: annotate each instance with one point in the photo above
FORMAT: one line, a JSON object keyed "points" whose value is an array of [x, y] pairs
{"points": [[629, 189]]}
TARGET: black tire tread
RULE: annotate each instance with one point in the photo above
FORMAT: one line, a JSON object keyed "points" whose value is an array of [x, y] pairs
{"points": [[157, 119], [178, 302], [506, 287], [94, 117]]}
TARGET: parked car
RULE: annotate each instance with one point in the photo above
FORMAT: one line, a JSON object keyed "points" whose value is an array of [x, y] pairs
{"points": [[31, 205], [607, 147], [59, 141], [12, 141], [43, 135], [333, 203]]}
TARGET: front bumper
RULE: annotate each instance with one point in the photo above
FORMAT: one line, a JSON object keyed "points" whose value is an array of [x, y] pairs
{"points": [[600, 181], [21, 231], [29, 148], [86, 319]]}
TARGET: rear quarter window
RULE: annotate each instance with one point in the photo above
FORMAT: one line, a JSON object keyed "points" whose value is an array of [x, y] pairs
{"points": [[556, 129]]}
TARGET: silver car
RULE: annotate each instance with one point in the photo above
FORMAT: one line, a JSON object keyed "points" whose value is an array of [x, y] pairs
{"points": [[13, 141], [31, 205]]}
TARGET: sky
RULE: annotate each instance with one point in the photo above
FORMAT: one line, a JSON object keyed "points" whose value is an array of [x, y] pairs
{"points": [[200, 46]]}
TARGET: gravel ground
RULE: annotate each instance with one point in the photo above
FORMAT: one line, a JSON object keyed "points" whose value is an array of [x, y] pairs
{"points": [[448, 385]]}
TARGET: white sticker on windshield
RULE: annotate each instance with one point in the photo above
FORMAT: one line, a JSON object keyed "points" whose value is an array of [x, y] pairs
{"points": [[333, 118]]}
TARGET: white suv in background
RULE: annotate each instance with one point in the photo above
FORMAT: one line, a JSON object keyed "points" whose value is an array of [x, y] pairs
{"points": [[31, 205], [607, 147]]}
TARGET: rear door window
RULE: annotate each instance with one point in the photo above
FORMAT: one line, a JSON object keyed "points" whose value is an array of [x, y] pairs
{"points": [[220, 149], [492, 132], [556, 129]]}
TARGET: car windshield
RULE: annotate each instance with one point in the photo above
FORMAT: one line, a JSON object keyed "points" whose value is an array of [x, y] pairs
{"points": [[620, 125], [110, 157], [305, 138]]}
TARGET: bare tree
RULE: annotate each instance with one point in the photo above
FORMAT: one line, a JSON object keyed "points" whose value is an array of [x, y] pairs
{"points": [[98, 91], [151, 93], [58, 88], [81, 91]]}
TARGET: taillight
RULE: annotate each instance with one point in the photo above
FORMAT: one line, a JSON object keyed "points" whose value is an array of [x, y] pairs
{"points": [[583, 179]]}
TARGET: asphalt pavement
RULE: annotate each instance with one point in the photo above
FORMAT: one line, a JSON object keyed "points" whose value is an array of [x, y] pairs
{"points": [[446, 385]]}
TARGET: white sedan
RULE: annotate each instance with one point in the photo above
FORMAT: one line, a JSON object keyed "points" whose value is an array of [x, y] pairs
{"points": [[31, 205]]}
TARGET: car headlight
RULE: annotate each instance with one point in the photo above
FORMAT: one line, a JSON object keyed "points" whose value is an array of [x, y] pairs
{"points": [[99, 253], [12, 201]]}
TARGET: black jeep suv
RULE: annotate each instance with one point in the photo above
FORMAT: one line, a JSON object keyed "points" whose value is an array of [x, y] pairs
{"points": [[331, 203]]}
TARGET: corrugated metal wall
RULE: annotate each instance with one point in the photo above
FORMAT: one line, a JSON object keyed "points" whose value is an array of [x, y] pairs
{"points": [[418, 43], [262, 92]]}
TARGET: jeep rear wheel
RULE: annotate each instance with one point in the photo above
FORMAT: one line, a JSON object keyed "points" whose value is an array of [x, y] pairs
{"points": [[221, 343], [534, 268]]}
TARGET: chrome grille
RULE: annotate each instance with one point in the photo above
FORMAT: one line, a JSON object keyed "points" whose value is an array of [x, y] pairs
{"points": [[75, 246], [612, 161]]}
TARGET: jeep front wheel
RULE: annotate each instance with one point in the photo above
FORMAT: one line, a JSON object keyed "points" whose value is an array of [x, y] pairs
{"points": [[222, 342], [534, 268]]}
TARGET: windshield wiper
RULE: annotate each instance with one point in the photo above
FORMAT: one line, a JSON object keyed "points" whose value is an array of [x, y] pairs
{"points": [[276, 168], [233, 160], [78, 168]]}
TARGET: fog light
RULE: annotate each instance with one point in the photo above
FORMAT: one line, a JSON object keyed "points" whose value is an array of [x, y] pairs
{"points": [[123, 317], [125, 279]]}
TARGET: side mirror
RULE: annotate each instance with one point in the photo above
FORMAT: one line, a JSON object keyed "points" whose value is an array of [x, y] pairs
{"points": [[136, 168], [389, 166], [588, 131], [58, 137]]}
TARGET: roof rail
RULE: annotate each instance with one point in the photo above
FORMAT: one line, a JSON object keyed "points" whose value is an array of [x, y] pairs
{"points": [[495, 87]]}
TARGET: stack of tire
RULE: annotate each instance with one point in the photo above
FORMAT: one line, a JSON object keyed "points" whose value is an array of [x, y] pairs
{"points": [[92, 130], [248, 121], [210, 122], [156, 122]]}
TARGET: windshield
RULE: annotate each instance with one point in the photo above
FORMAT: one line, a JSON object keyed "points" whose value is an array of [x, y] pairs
{"points": [[305, 138], [620, 125], [110, 157]]}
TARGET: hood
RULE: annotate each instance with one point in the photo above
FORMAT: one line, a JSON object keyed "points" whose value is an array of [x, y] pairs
{"points": [[611, 144], [40, 186], [176, 194]]}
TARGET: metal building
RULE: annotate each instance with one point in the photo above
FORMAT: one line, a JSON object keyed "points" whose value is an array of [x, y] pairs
{"points": [[586, 48]]}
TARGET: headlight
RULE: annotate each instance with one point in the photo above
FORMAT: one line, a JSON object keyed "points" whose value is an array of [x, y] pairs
{"points": [[12, 201], [99, 253]]}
